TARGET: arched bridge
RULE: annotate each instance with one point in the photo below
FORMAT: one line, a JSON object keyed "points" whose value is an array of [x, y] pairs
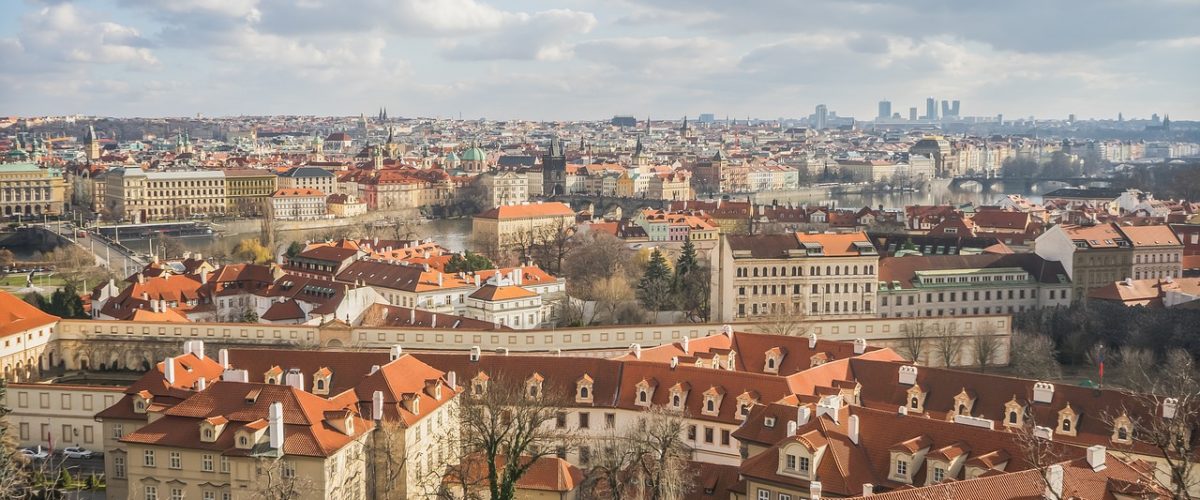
{"points": [[1025, 184]]}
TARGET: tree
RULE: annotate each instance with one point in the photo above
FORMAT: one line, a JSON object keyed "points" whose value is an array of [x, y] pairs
{"points": [[649, 460], [66, 303], [654, 289], [253, 251], [553, 246], [37, 300], [468, 262], [947, 344], [691, 283], [294, 249], [387, 456], [609, 294], [278, 480], [6, 260], [170, 247], [912, 338], [1034, 356], [507, 425], [986, 346], [783, 323], [596, 256], [13, 479]]}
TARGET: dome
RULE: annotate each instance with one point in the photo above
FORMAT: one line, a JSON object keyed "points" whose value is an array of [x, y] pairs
{"points": [[474, 154], [451, 158]]}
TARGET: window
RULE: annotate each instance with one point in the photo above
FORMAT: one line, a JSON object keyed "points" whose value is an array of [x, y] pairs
{"points": [[724, 437], [148, 458], [289, 470], [206, 463], [610, 420], [708, 435], [224, 465], [176, 460], [118, 430], [210, 495], [119, 466], [764, 494], [790, 462], [938, 474], [691, 432], [151, 492], [560, 420], [1122, 434], [804, 464], [1066, 425], [585, 455], [176, 493], [1012, 417], [785, 496], [901, 467], [585, 419]]}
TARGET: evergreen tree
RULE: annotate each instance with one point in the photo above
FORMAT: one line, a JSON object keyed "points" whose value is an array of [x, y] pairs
{"points": [[468, 262], [690, 284], [654, 289], [294, 248]]}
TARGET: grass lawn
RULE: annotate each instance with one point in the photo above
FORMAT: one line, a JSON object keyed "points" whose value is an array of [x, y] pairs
{"points": [[18, 280]]}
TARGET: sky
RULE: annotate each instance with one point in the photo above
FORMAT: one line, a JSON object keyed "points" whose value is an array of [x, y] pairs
{"points": [[592, 59]]}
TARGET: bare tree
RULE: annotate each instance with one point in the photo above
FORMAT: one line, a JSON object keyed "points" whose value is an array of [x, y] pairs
{"points": [[1041, 453], [386, 457], [948, 344], [610, 294], [1034, 356], [597, 255], [650, 460], [555, 244], [1163, 415], [278, 480], [912, 338], [506, 426], [783, 323], [985, 349]]}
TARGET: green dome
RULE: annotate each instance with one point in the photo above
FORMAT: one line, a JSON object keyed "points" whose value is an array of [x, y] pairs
{"points": [[451, 158], [474, 154]]}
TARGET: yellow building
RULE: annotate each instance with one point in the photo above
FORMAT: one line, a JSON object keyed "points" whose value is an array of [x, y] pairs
{"points": [[246, 190], [29, 190], [516, 225]]}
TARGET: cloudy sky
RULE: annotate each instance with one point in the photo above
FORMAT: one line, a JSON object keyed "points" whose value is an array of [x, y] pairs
{"points": [[591, 59]]}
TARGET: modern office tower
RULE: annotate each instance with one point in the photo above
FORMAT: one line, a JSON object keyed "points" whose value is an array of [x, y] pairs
{"points": [[930, 109], [885, 109], [821, 118], [912, 114]]}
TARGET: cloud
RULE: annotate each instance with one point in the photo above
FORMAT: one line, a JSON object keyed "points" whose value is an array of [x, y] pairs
{"points": [[60, 37], [542, 36]]}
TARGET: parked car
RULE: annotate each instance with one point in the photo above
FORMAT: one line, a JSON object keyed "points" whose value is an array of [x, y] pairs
{"points": [[76, 452], [34, 453]]}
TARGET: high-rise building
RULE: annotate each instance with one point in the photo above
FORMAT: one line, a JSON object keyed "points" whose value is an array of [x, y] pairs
{"points": [[949, 109], [930, 109], [912, 114], [821, 118], [885, 109]]}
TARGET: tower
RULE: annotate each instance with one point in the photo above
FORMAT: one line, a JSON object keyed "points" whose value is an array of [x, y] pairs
{"points": [[683, 129], [554, 168], [930, 109], [885, 109], [93, 145], [821, 117]]}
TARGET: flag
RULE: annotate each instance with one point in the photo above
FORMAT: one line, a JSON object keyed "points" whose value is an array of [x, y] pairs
{"points": [[1101, 363]]}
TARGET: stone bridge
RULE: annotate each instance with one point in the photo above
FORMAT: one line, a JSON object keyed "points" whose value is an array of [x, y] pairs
{"points": [[604, 204], [1025, 184]]}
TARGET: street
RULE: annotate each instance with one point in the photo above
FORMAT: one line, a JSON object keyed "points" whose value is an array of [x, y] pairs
{"points": [[109, 255]]}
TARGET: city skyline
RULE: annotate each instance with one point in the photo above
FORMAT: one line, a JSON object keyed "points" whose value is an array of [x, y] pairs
{"points": [[590, 60]]}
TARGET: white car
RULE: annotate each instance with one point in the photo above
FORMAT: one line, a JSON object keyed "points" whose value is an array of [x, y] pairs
{"points": [[34, 453], [76, 452]]}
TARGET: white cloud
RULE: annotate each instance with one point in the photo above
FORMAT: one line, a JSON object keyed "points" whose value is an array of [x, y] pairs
{"points": [[541, 36]]}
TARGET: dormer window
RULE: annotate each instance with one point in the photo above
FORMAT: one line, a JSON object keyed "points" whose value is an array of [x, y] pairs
{"points": [[1014, 413], [479, 384], [583, 389], [321, 381], [773, 359], [1068, 421], [712, 401], [745, 401], [243, 441], [964, 402], [645, 392], [533, 385], [209, 435], [916, 399]]}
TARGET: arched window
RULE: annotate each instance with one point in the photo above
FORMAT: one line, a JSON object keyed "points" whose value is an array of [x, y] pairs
{"points": [[855, 269], [756, 272], [745, 410], [1066, 426], [583, 392], [320, 385], [771, 363], [710, 406], [533, 391], [642, 396], [1012, 417], [914, 403], [1122, 433], [962, 409], [675, 400]]}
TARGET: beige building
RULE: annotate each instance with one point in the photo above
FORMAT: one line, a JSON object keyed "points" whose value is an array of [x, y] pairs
{"points": [[298, 204], [1157, 251], [58, 415], [513, 225], [135, 195], [26, 333], [248, 190], [505, 187], [804, 275], [1098, 255], [30, 190]]}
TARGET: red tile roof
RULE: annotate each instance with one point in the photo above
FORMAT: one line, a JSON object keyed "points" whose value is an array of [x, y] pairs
{"points": [[17, 316]]}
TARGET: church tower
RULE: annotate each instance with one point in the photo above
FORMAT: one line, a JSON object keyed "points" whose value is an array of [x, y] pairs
{"points": [[554, 169], [93, 145]]}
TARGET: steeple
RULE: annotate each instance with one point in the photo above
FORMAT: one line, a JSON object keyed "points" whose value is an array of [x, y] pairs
{"points": [[637, 149], [93, 145], [683, 129]]}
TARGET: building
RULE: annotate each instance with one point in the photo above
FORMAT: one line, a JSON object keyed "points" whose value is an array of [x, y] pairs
{"points": [[345, 205], [1097, 255], [674, 185], [308, 178], [249, 190], [945, 163], [940, 285], [1157, 251], [29, 190], [1155, 292], [54, 416], [298, 204], [506, 305], [797, 274], [26, 332], [554, 169], [134, 195], [521, 225], [504, 187], [661, 225], [885, 110]]}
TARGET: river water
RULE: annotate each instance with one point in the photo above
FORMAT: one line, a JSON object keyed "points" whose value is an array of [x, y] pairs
{"points": [[454, 234]]}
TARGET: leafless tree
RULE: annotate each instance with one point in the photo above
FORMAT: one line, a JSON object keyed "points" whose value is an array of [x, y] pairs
{"points": [[912, 338], [948, 344], [986, 347], [1041, 453], [556, 242], [610, 294], [783, 323], [506, 425], [386, 457], [278, 480], [1163, 414], [1034, 356], [650, 460], [597, 255]]}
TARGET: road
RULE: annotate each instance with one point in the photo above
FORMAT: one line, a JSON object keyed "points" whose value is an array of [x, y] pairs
{"points": [[119, 261]]}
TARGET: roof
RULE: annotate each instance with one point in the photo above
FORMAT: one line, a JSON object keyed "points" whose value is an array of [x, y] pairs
{"points": [[1150, 236], [769, 246], [904, 269], [550, 209], [547, 473], [17, 316], [307, 172], [294, 193], [505, 292]]}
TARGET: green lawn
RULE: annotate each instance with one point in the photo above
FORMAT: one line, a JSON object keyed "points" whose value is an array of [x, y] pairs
{"points": [[18, 280]]}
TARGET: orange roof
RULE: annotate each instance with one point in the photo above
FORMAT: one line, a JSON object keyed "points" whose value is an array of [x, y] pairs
{"points": [[17, 316], [841, 244], [552, 209], [297, 193], [507, 292], [1150, 236]]}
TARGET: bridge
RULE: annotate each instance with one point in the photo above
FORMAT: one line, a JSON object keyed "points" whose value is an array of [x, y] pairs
{"points": [[1025, 184], [604, 204]]}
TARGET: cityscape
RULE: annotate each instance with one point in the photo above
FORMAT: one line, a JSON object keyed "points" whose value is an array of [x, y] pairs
{"points": [[639, 251]]}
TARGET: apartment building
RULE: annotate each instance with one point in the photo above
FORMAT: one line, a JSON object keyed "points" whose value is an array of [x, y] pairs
{"points": [[308, 178], [949, 285], [1099, 254], [513, 225], [298, 204], [504, 187], [812, 275], [25, 332], [29, 190], [55, 416], [248, 190], [1157, 251], [132, 194]]}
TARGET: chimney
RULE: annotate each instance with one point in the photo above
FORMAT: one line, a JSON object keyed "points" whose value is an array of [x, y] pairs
{"points": [[194, 347], [868, 489], [791, 428], [636, 350], [727, 331], [1043, 392], [203, 278], [141, 279], [908, 375], [812, 341], [683, 342], [223, 358], [1054, 481], [452, 379], [803, 413], [1095, 457], [440, 277], [860, 346], [169, 370], [236, 376], [674, 362], [1169, 406], [145, 296], [853, 428], [902, 411], [377, 406], [201, 384], [1043, 432], [412, 316], [275, 424], [814, 490], [477, 280], [433, 322], [475, 352], [294, 378], [503, 351], [396, 352]]}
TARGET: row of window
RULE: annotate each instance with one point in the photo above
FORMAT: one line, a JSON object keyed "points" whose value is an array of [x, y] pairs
{"points": [[782, 271], [175, 461]]}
